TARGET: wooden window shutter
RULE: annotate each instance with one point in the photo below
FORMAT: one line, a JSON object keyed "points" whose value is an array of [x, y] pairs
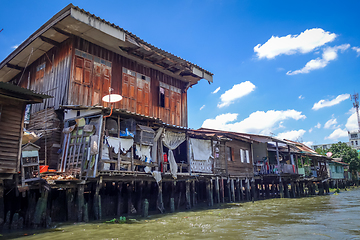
{"points": [[79, 69]]}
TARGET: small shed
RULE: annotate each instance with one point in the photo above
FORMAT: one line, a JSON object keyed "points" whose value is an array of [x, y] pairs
{"points": [[30, 169]]}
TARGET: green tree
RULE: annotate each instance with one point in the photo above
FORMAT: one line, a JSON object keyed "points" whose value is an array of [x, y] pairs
{"points": [[321, 151], [348, 155]]}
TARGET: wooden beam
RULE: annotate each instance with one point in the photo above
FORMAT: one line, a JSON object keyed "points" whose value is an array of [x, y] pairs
{"points": [[50, 41], [16, 67], [61, 31]]}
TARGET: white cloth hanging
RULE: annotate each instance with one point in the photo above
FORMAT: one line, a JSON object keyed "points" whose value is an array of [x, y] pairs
{"points": [[126, 144], [155, 145], [201, 149], [115, 143], [173, 140], [143, 152]]}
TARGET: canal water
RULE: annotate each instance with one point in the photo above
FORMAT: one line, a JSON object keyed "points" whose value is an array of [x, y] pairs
{"points": [[320, 217]]}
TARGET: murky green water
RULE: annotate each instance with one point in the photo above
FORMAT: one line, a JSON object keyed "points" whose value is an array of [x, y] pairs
{"points": [[325, 217]]}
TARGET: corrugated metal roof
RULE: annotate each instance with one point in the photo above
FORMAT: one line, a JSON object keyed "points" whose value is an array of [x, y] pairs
{"points": [[159, 50], [22, 91]]}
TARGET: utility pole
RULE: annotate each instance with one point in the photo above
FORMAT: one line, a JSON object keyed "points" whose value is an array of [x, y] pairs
{"points": [[355, 97]]}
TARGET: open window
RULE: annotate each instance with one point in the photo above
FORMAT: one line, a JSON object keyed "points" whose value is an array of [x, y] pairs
{"points": [[161, 97]]}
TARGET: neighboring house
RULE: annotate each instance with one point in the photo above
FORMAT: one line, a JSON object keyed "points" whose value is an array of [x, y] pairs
{"points": [[311, 164], [79, 58], [13, 101], [326, 146], [232, 153], [336, 169], [354, 139]]}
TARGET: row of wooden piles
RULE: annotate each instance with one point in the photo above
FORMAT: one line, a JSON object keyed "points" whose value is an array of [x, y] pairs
{"points": [[108, 199]]}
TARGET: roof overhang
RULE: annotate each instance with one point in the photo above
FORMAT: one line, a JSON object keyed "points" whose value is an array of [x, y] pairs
{"points": [[10, 91], [75, 21]]}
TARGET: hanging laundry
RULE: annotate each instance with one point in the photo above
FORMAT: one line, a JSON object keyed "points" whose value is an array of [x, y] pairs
{"points": [[115, 143], [143, 152], [126, 144]]}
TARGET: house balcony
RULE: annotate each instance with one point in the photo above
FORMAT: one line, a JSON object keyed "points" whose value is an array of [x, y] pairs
{"points": [[262, 169]]}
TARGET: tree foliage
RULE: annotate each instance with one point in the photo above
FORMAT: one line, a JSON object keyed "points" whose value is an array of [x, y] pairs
{"points": [[321, 151], [348, 155]]}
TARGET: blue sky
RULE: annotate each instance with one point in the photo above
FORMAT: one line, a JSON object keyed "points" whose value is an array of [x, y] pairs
{"points": [[282, 68]]}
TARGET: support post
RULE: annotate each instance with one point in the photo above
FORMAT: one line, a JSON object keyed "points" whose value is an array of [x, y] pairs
{"points": [[281, 190], [253, 190], [222, 190], [140, 199], [145, 212], [211, 193], [119, 199], [187, 195], [194, 194], [2, 208], [70, 204], [159, 202], [217, 190], [129, 193], [80, 197], [267, 192], [238, 193], [241, 190], [97, 202], [232, 190], [248, 195]]}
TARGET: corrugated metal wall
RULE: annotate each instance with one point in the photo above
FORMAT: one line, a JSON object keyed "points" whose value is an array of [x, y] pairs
{"points": [[54, 79]]}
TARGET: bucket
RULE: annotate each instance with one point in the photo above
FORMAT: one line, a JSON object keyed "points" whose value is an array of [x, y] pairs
{"points": [[44, 168]]}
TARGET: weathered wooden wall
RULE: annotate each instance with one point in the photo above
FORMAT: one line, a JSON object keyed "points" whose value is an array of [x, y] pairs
{"points": [[139, 98], [236, 167], [11, 124]]}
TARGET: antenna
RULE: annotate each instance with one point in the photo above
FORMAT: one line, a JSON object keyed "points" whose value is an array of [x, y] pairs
{"points": [[355, 98]]}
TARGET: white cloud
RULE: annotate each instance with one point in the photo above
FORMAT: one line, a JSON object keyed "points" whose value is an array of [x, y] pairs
{"points": [[301, 97], [258, 122], [326, 103], [331, 123], [329, 54], [352, 123], [309, 143], [305, 42], [310, 130], [15, 46], [202, 107], [337, 133], [318, 125], [216, 90], [293, 135], [236, 92], [357, 50]]}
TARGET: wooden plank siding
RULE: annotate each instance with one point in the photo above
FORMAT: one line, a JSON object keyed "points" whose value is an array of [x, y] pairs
{"points": [[235, 166], [11, 123], [77, 80], [139, 97]]}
